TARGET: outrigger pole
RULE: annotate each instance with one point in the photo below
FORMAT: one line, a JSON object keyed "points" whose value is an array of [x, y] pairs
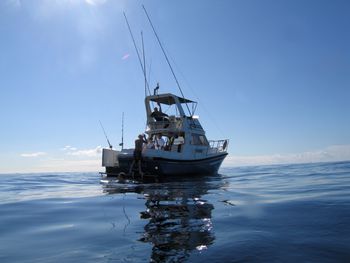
{"points": [[144, 62], [166, 57], [122, 143], [138, 54], [110, 145]]}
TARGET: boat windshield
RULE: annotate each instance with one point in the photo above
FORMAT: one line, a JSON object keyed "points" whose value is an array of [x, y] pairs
{"points": [[168, 110]]}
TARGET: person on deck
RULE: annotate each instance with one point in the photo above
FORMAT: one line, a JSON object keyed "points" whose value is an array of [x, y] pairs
{"points": [[150, 143], [138, 153], [170, 141], [160, 143]]}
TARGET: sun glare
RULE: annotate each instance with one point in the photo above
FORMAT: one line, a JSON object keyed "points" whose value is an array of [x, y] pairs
{"points": [[95, 2]]}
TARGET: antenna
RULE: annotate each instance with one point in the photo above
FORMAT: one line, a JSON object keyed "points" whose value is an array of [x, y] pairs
{"points": [[166, 57], [144, 62], [122, 143], [137, 51], [110, 145]]}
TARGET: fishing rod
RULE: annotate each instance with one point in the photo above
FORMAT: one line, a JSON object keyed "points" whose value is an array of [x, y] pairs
{"points": [[138, 54], [110, 145], [166, 57]]}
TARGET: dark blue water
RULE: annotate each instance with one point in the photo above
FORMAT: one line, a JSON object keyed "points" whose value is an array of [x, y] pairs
{"points": [[286, 213]]}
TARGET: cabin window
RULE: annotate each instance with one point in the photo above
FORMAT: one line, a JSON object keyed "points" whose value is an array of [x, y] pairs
{"points": [[198, 139]]}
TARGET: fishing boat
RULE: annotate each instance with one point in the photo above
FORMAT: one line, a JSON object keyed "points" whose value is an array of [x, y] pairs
{"points": [[177, 141], [186, 150]]}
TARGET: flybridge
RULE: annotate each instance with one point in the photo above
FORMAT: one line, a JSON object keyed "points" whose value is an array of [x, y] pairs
{"points": [[173, 119], [169, 99]]}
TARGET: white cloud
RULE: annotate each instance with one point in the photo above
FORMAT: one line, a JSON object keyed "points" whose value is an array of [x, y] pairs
{"points": [[68, 148], [91, 165], [68, 159], [330, 154], [35, 154], [87, 153]]}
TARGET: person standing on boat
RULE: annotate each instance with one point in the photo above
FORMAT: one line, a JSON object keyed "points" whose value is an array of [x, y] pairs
{"points": [[158, 115], [138, 153], [170, 141], [160, 143]]}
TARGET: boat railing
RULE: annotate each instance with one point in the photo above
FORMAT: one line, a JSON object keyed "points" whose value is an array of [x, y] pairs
{"points": [[218, 146]]}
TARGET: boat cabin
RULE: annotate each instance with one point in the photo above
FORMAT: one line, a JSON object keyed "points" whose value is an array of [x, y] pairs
{"points": [[166, 117]]}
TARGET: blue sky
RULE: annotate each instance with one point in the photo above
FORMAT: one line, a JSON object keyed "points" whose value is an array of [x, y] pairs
{"points": [[272, 76]]}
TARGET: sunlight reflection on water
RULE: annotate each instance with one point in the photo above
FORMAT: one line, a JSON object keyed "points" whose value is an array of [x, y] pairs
{"points": [[26, 187]]}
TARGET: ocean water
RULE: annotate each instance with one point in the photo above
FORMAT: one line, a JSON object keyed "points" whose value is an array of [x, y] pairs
{"points": [[284, 213]]}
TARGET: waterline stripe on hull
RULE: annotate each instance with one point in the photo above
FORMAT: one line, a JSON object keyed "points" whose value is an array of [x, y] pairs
{"points": [[189, 161]]}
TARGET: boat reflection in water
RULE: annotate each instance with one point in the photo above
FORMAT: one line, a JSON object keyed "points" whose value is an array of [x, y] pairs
{"points": [[179, 219]]}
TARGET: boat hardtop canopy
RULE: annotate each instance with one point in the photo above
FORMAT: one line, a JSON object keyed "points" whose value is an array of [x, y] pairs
{"points": [[168, 99]]}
